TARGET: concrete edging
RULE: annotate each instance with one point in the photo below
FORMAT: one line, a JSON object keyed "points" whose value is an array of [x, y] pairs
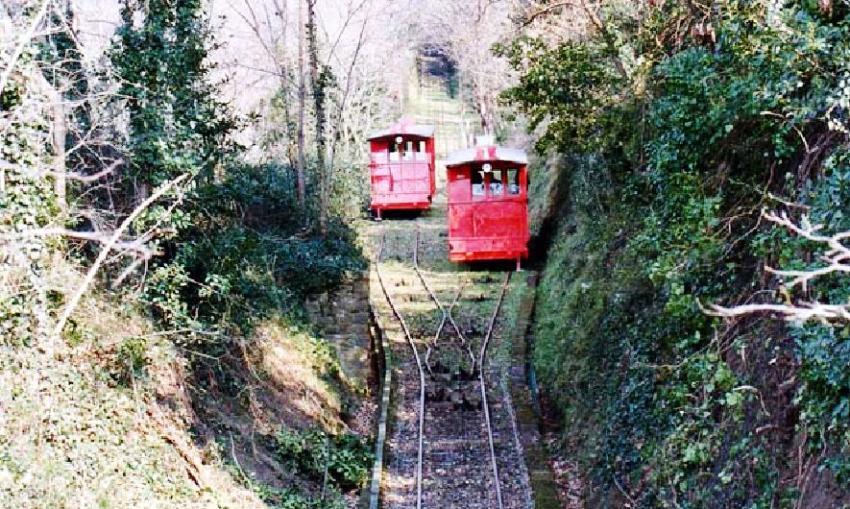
{"points": [[543, 486], [381, 439]]}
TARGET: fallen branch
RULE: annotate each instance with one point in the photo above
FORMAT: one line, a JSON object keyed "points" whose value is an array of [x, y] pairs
{"points": [[837, 257], [793, 313]]}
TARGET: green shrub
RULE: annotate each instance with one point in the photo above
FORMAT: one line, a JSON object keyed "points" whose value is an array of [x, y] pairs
{"points": [[246, 254], [347, 458], [131, 360], [292, 499]]}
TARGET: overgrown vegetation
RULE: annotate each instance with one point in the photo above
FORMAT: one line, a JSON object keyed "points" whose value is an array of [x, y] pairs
{"points": [[245, 256], [152, 269], [343, 460], [680, 123], [209, 276]]}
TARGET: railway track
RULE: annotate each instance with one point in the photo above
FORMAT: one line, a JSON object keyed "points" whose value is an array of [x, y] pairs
{"points": [[453, 444]]}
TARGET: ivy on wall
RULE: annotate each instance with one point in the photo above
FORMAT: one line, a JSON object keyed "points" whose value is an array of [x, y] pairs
{"points": [[679, 125]]}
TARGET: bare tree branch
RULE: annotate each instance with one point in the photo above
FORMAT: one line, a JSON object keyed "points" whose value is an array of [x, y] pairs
{"points": [[836, 259], [25, 39], [543, 11], [87, 179], [136, 246], [75, 300]]}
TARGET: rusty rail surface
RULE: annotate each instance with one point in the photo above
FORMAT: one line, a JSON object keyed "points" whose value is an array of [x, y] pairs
{"points": [[477, 360], [400, 318]]}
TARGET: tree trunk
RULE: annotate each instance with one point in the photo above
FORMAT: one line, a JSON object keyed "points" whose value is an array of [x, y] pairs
{"points": [[302, 99], [319, 105], [60, 132]]}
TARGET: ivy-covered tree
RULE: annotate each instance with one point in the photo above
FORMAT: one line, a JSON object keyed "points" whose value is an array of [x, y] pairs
{"points": [[176, 125], [321, 78]]}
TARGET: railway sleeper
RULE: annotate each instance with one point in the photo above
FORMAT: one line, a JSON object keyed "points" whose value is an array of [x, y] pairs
{"points": [[460, 399], [443, 373]]}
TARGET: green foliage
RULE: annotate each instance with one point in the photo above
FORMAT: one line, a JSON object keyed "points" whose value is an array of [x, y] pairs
{"points": [[237, 250], [230, 252], [76, 334], [27, 202], [346, 458], [246, 256], [176, 124], [131, 360], [291, 499], [825, 393], [695, 135], [823, 351], [568, 86]]}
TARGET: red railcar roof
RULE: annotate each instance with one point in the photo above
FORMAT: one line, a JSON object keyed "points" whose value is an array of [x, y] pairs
{"points": [[405, 127], [486, 153]]}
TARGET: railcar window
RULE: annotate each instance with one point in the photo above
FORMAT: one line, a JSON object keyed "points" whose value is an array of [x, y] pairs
{"points": [[477, 183], [496, 187], [394, 152], [513, 181]]}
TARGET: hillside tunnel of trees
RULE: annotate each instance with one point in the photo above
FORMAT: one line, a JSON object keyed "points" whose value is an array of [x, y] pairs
{"points": [[183, 183]]}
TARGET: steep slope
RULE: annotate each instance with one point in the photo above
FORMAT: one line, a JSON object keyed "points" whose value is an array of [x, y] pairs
{"points": [[667, 146], [118, 416]]}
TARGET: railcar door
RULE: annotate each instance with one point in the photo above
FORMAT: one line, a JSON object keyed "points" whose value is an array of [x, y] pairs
{"points": [[459, 189], [379, 165], [410, 168]]}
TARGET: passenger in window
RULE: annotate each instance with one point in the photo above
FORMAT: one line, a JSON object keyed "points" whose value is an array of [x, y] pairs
{"points": [[477, 183], [395, 150], [496, 188]]}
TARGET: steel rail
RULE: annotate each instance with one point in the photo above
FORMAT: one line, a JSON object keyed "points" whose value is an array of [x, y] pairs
{"points": [[482, 383], [386, 388], [442, 326], [446, 314], [409, 337]]}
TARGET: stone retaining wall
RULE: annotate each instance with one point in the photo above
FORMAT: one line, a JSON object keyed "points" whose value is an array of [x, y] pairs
{"points": [[344, 317]]}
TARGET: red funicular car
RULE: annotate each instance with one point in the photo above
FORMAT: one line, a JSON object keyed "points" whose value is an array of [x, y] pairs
{"points": [[488, 203], [402, 167]]}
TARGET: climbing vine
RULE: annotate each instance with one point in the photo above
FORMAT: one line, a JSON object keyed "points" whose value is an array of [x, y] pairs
{"points": [[27, 202], [699, 117]]}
